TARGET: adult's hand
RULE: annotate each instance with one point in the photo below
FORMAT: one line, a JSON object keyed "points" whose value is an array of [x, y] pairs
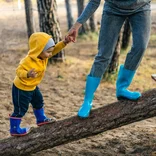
{"points": [[73, 32]]}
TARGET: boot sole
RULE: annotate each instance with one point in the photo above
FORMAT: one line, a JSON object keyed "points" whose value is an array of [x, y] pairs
{"points": [[19, 134], [83, 117], [44, 123], [124, 98]]}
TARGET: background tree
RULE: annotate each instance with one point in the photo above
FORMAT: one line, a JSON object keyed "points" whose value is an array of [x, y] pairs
{"points": [[113, 66], [126, 35], [92, 23], [49, 23], [80, 5], [29, 17], [69, 14]]}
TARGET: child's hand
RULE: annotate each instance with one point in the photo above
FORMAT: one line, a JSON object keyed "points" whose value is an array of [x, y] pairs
{"points": [[68, 39], [32, 73]]}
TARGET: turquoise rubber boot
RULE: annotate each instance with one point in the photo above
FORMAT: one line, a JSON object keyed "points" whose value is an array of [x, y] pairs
{"points": [[15, 129], [124, 79], [91, 86]]}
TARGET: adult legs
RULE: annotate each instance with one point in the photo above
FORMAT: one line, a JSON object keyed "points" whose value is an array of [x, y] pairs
{"points": [[141, 25], [110, 28]]}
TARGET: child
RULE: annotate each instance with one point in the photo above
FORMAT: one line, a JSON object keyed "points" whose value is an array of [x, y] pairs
{"points": [[29, 74]]}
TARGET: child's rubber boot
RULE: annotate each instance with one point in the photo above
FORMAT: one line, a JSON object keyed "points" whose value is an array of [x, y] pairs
{"points": [[124, 79], [41, 118], [15, 129], [91, 86]]}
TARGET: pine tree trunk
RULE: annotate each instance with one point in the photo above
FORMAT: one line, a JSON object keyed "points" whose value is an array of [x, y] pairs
{"points": [[49, 23], [100, 120], [92, 23], [29, 17], [126, 35], [69, 14], [112, 69], [84, 29]]}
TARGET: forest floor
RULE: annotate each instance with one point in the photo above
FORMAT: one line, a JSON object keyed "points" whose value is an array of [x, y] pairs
{"points": [[63, 88]]}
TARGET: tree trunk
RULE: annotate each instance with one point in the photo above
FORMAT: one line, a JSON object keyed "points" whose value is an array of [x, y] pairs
{"points": [[92, 23], [102, 119], [84, 29], [29, 17], [69, 14], [113, 66], [126, 34], [49, 23]]}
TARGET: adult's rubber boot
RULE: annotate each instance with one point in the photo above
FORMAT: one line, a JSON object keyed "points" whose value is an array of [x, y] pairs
{"points": [[15, 129], [124, 79], [91, 86]]}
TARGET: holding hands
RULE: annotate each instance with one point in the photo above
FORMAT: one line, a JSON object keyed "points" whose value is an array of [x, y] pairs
{"points": [[67, 39], [73, 32]]}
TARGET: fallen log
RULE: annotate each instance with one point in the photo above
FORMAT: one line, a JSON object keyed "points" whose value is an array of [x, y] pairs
{"points": [[102, 119]]}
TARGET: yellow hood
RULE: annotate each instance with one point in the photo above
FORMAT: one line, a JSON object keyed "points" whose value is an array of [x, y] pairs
{"points": [[37, 42]]}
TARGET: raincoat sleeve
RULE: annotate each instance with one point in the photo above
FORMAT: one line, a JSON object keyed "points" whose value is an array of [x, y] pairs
{"points": [[58, 47]]}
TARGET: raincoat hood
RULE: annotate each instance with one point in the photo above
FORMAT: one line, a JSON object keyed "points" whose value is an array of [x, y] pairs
{"points": [[37, 42]]}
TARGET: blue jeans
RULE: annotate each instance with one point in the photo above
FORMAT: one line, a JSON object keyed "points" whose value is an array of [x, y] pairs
{"points": [[110, 28], [21, 100]]}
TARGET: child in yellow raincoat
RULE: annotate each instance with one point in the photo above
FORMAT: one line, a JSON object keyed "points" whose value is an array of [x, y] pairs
{"points": [[29, 74]]}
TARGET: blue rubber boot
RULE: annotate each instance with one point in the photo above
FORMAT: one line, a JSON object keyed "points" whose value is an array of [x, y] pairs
{"points": [[91, 86], [41, 118], [124, 79], [15, 129]]}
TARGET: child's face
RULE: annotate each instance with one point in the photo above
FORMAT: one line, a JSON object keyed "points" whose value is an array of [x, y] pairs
{"points": [[46, 54]]}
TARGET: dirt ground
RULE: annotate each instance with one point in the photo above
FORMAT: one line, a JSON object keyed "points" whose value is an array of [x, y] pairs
{"points": [[63, 87]]}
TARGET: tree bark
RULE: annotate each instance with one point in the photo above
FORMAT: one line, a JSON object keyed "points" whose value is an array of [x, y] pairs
{"points": [[102, 119], [84, 29], [29, 17], [92, 23], [69, 14], [113, 66], [49, 23], [126, 35]]}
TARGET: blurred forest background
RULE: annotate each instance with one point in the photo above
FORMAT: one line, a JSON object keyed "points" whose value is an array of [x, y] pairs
{"points": [[64, 82]]}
